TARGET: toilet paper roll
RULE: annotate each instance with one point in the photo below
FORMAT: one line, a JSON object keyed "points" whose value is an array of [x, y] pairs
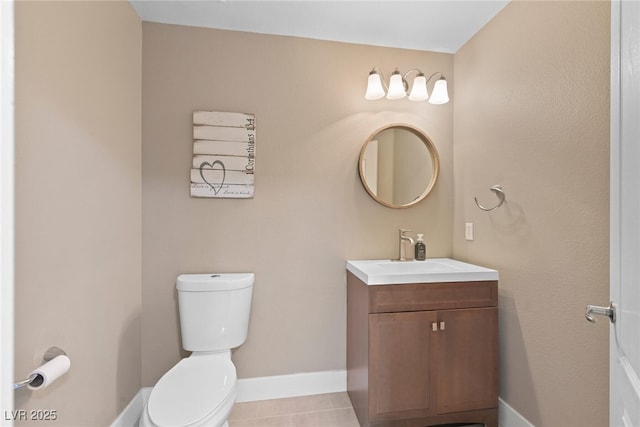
{"points": [[49, 372]]}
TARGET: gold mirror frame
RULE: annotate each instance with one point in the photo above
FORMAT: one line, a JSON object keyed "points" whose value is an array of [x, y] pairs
{"points": [[432, 153]]}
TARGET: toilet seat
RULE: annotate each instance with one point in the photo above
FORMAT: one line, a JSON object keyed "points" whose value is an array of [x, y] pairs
{"points": [[193, 389]]}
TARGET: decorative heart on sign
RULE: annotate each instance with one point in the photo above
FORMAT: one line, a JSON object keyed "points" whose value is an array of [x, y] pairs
{"points": [[212, 166]]}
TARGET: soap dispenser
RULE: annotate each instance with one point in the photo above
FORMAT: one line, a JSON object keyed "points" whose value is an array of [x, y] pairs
{"points": [[420, 248]]}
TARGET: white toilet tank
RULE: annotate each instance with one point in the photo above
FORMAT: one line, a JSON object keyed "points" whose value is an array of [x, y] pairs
{"points": [[214, 310]]}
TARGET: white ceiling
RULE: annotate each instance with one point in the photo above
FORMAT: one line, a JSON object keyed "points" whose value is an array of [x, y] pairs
{"points": [[431, 25]]}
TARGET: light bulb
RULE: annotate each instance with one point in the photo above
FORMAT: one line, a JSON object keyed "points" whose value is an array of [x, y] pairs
{"points": [[374, 86], [419, 89], [440, 94], [396, 87]]}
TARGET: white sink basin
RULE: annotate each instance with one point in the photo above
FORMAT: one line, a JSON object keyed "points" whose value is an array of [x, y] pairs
{"points": [[387, 272]]}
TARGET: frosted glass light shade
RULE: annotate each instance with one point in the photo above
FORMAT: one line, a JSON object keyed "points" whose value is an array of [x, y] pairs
{"points": [[419, 89], [396, 87], [440, 94], [374, 87]]}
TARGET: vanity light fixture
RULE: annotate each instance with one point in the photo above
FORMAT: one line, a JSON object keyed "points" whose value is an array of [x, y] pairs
{"points": [[399, 88]]}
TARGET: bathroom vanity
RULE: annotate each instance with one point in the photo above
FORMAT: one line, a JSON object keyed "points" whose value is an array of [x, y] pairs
{"points": [[422, 343]]}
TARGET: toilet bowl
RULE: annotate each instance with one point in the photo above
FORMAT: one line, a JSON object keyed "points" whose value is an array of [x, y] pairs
{"points": [[200, 390]]}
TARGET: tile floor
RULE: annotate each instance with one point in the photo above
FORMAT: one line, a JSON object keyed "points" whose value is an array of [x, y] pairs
{"points": [[322, 410]]}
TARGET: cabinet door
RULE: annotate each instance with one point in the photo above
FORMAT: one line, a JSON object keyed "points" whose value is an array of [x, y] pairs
{"points": [[399, 364], [467, 360]]}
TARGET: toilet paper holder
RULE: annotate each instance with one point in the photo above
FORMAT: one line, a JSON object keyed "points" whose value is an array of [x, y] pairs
{"points": [[50, 354]]}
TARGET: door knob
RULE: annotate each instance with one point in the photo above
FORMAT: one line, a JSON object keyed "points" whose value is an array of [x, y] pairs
{"points": [[596, 310]]}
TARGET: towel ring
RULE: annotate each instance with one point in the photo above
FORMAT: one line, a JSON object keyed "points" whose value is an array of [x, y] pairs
{"points": [[499, 193]]}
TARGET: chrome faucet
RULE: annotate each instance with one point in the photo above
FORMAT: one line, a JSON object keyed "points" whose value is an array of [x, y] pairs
{"points": [[402, 240]]}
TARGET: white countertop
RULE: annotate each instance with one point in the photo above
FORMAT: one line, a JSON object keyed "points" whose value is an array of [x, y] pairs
{"points": [[433, 270]]}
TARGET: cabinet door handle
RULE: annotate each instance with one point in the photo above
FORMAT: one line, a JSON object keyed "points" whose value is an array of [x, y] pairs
{"points": [[442, 326], [434, 327]]}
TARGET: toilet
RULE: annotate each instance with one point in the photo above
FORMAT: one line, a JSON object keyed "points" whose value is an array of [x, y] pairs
{"points": [[200, 390]]}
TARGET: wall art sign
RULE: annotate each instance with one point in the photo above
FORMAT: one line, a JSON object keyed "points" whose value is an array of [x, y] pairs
{"points": [[224, 155]]}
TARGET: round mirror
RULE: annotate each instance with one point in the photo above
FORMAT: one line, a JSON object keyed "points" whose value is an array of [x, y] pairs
{"points": [[398, 166]]}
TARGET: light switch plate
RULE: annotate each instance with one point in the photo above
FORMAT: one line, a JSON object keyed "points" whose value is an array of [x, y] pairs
{"points": [[468, 230]]}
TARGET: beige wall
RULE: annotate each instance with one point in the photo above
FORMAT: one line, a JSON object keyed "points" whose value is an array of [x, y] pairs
{"points": [[532, 113], [310, 212], [78, 209]]}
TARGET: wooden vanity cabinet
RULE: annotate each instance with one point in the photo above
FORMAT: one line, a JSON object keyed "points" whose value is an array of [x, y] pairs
{"points": [[422, 354]]}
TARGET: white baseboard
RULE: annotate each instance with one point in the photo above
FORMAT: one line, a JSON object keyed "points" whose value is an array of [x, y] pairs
{"points": [[281, 386], [251, 389], [302, 384], [509, 417], [130, 415]]}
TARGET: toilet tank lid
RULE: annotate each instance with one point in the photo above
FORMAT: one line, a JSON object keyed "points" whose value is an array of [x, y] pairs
{"points": [[211, 282]]}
